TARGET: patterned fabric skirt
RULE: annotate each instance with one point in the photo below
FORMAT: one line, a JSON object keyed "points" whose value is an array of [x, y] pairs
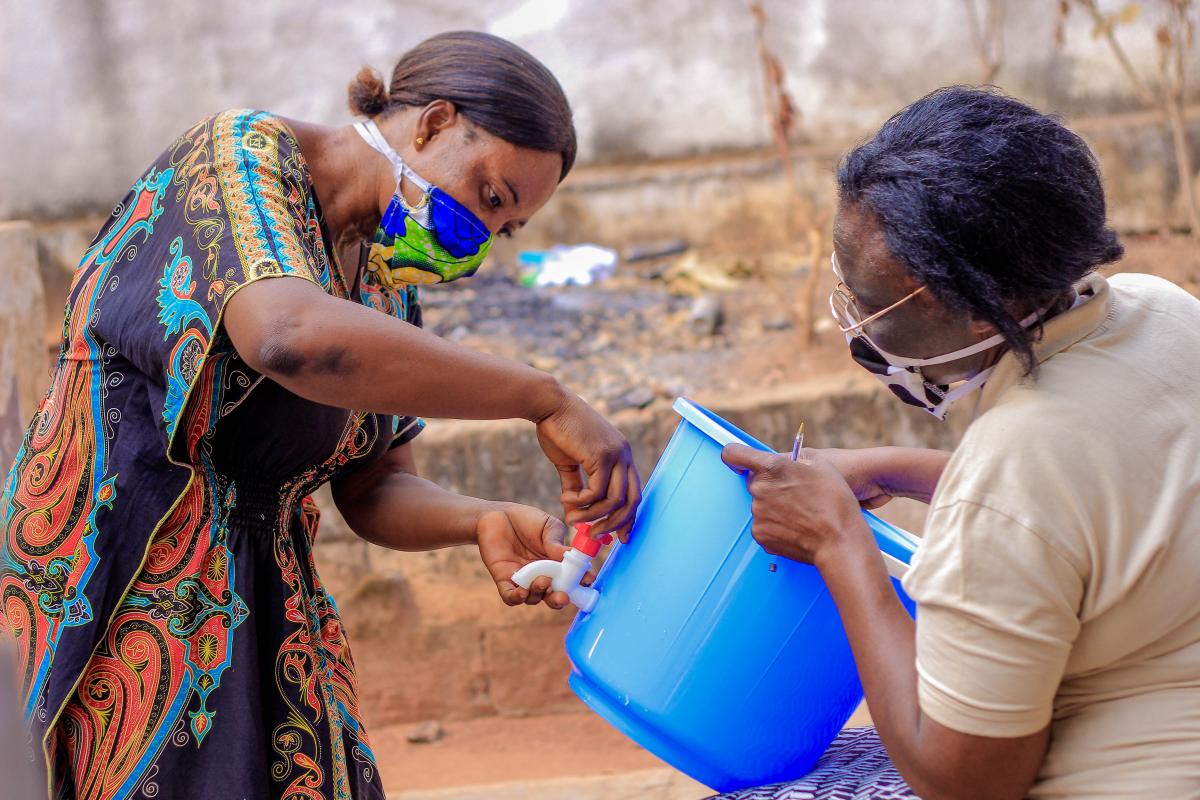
{"points": [[855, 767]]}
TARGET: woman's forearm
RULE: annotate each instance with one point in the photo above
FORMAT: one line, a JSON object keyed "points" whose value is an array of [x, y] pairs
{"points": [[880, 631], [393, 507], [911, 472], [339, 353], [882, 636]]}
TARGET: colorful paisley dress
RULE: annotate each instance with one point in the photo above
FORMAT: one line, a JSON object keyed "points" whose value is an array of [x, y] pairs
{"points": [[156, 570]]}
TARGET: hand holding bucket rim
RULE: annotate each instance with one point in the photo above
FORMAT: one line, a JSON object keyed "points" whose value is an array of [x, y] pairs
{"points": [[803, 510]]}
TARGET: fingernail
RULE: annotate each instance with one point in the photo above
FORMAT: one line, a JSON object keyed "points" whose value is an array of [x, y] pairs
{"points": [[606, 539]]}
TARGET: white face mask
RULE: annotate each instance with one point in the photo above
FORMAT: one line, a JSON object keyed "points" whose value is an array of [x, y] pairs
{"points": [[904, 378]]}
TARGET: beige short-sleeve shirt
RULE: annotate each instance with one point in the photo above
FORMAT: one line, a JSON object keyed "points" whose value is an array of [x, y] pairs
{"points": [[1059, 577]]}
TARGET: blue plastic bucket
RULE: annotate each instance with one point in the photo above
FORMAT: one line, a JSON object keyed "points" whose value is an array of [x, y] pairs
{"points": [[735, 674]]}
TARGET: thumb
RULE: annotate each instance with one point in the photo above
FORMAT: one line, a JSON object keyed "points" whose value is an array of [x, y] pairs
{"points": [[742, 459], [554, 537]]}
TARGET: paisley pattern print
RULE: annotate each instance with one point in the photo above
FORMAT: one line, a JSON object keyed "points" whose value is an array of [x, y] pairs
{"points": [[174, 639]]}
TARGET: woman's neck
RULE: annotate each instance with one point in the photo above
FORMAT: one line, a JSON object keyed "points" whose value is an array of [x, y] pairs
{"points": [[345, 174]]}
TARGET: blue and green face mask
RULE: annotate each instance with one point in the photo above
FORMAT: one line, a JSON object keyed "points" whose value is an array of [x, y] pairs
{"points": [[435, 241]]}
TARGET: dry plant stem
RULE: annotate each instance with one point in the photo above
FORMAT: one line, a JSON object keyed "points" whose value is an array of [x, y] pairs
{"points": [[1173, 43], [801, 208], [1174, 38], [989, 40], [1183, 162], [1143, 92], [816, 248], [779, 106]]}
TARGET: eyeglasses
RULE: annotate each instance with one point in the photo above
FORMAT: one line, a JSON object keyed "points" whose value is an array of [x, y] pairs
{"points": [[845, 308]]}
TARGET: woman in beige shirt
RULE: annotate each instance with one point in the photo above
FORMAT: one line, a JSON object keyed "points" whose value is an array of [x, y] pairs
{"points": [[1056, 651]]}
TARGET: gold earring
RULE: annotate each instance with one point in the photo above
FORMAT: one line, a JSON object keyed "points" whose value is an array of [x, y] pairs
{"points": [[420, 141]]}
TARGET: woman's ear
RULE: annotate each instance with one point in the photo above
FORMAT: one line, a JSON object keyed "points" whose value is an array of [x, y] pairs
{"points": [[436, 118], [981, 328]]}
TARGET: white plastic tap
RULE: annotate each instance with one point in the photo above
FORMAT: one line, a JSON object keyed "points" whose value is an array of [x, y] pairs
{"points": [[566, 574]]}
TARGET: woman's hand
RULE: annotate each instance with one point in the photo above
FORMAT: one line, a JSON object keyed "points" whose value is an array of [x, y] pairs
{"points": [[582, 444], [861, 470], [803, 510], [510, 536]]}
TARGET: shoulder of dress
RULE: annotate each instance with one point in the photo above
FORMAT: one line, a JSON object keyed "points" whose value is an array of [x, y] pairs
{"points": [[244, 136], [244, 122]]}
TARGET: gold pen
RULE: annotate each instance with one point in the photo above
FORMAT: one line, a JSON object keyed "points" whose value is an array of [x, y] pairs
{"points": [[798, 442]]}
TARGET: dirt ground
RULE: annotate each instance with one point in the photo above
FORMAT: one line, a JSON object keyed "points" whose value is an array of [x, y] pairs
{"points": [[500, 749], [496, 750]]}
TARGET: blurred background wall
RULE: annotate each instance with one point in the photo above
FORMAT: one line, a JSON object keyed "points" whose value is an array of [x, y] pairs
{"points": [[93, 91]]}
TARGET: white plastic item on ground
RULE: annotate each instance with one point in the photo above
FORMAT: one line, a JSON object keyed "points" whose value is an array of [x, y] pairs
{"points": [[579, 264], [566, 574]]}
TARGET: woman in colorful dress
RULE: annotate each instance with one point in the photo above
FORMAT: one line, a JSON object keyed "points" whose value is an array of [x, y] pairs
{"points": [[244, 329]]}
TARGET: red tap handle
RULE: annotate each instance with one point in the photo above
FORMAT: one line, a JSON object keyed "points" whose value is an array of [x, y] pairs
{"points": [[583, 541]]}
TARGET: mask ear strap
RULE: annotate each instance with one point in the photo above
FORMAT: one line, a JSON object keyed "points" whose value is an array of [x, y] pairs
{"points": [[371, 134], [965, 388], [978, 347]]}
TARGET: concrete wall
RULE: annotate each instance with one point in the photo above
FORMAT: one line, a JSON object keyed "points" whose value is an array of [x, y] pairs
{"points": [[23, 379], [430, 635], [736, 199], [23, 364], [93, 91]]}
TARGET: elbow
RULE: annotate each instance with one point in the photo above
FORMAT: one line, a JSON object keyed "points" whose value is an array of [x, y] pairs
{"points": [[360, 496], [276, 343], [353, 500], [280, 356], [292, 348], [289, 329]]}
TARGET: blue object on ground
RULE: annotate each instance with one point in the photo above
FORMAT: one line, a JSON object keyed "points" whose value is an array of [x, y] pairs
{"points": [[735, 672]]}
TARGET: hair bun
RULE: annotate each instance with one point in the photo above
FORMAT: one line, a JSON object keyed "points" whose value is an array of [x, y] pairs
{"points": [[367, 95]]}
